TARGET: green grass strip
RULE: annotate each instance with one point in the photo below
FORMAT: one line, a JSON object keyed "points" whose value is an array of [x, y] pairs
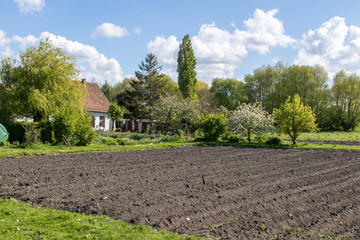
{"points": [[21, 221], [11, 151]]}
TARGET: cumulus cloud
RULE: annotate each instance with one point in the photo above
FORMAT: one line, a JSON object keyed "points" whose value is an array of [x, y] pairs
{"points": [[30, 6], [93, 64], [264, 31], [219, 52], [165, 49], [109, 30], [333, 45]]}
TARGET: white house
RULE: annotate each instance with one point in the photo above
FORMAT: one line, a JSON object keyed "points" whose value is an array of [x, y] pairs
{"points": [[98, 106]]}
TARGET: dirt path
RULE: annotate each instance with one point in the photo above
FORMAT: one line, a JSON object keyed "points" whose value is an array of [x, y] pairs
{"points": [[224, 192]]}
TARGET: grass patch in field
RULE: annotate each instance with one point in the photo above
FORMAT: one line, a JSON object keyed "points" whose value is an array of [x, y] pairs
{"points": [[20, 221], [110, 141], [284, 144], [10, 151], [352, 136]]}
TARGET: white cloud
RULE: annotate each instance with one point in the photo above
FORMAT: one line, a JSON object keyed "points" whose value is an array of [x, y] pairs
{"points": [[165, 50], [219, 52], [137, 30], [333, 45], [93, 64], [264, 31], [109, 30], [30, 6], [4, 44]]}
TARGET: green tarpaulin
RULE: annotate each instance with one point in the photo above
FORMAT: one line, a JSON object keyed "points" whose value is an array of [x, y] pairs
{"points": [[3, 133]]}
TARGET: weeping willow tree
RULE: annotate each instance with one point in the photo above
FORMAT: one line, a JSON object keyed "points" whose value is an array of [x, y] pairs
{"points": [[39, 84]]}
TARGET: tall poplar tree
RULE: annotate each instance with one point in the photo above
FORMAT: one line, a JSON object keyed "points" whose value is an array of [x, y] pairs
{"points": [[186, 69]]}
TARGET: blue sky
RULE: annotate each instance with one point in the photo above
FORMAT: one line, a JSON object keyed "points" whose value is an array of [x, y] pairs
{"points": [[230, 38]]}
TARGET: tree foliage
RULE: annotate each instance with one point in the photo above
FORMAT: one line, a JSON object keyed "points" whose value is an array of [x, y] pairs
{"points": [[272, 85], [228, 92], [40, 83], [186, 69], [177, 113], [205, 97], [141, 92], [75, 125], [293, 118], [346, 94], [116, 112], [250, 119], [133, 99], [213, 125], [261, 85]]}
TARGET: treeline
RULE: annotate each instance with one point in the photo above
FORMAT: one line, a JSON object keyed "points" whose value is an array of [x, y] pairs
{"points": [[335, 107]]}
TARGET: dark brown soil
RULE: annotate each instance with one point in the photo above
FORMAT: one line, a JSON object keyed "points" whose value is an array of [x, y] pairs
{"points": [[223, 192]]}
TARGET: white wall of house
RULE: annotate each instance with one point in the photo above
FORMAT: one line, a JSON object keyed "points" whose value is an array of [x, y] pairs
{"points": [[102, 121]]}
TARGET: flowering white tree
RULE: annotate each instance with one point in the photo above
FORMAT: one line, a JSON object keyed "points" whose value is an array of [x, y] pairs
{"points": [[249, 119], [177, 112]]}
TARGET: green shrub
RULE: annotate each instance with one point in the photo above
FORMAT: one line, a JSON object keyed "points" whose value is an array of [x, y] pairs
{"points": [[137, 136], [83, 131], [274, 141], [4, 143], [75, 125], [23, 131], [111, 141], [47, 132], [170, 139], [233, 139], [16, 131], [105, 140], [32, 133], [213, 125]]}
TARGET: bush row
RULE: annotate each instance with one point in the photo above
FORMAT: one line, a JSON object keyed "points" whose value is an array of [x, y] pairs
{"points": [[75, 126]]}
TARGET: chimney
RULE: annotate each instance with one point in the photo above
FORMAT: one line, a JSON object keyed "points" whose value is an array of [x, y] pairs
{"points": [[83, 80]]}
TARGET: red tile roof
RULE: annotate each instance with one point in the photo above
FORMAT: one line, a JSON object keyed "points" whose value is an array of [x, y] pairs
{"points": [[96, 101]]}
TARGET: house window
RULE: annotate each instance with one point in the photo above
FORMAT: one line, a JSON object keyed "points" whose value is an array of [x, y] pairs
{"points": [[102, 121]]}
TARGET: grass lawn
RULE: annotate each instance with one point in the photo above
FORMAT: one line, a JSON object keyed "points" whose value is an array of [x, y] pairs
{"points": [[353, 136], [9, 151], [21, 221]]}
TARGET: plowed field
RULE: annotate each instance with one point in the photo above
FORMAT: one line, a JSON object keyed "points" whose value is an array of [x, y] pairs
{"points": [[222, 192]]}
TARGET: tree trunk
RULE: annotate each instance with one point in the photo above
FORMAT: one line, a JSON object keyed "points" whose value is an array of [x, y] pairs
{"points": [[249, 137]]}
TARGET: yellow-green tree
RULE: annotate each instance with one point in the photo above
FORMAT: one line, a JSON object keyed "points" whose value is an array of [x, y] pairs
{"points": [[293, 118], [41, 83], [116, 113]]}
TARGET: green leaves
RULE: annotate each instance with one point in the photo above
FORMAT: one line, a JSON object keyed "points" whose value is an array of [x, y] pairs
{"points": [[177, 112], [116, 112], [346, 93], [293, 117], [41, 83], [228, 92], [213, 125], [186, 69]]}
